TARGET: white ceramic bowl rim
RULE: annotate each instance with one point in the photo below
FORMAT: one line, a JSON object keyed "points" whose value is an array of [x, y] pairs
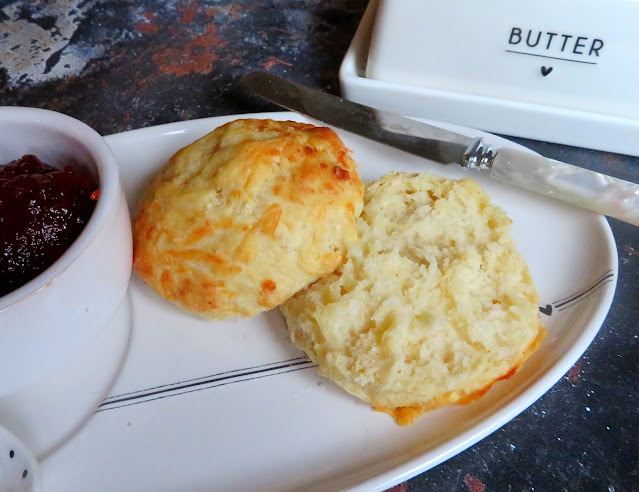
{"points": [[107, 170]]}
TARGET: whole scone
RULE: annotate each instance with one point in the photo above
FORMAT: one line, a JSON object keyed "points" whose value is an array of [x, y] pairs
{"points": [[246, 216], [433, 305]]}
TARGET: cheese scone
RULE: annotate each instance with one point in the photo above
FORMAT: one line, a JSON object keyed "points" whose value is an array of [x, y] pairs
{"points": [[432, 306], [246, 216]]}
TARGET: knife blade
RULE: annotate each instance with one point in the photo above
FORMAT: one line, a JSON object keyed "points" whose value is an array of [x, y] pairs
{"points": [[587, 189]]}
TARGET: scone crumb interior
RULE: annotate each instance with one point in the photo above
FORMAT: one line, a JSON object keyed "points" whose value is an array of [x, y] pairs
{"points": [[433, 304]]}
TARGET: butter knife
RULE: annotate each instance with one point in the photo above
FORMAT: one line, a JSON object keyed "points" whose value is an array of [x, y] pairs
{"points": [[587, 189]]}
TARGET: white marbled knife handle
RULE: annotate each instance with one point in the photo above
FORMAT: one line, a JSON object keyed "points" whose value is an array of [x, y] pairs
{"points": [[587, 189]]}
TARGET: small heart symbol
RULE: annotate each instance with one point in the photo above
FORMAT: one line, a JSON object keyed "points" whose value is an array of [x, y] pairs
{"points": [[546, 70], [546, 310]]}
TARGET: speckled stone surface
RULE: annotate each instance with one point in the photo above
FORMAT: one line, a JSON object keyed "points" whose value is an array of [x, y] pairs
{"points": [[119, 65]]}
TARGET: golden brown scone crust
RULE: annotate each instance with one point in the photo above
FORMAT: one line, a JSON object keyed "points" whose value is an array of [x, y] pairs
{"points": [[246, 216], [433, 304]]}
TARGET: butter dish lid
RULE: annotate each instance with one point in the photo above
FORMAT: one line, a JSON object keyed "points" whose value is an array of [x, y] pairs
{"points": [[547, 71]]}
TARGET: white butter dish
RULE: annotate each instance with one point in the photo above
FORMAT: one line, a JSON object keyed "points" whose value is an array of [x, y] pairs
{"points": [[563, 78]]}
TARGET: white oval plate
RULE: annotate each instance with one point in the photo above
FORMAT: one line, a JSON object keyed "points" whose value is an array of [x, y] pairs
{"points": [[233, 405]]}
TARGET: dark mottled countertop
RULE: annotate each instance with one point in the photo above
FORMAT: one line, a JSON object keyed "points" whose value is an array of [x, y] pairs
{"points": [[119, 65]]}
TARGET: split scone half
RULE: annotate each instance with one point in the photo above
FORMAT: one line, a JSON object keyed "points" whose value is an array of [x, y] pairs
{"points": [[432, 306], [246, 216]]}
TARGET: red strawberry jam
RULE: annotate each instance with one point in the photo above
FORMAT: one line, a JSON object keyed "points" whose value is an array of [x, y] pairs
{"points": [[43, 209]]}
